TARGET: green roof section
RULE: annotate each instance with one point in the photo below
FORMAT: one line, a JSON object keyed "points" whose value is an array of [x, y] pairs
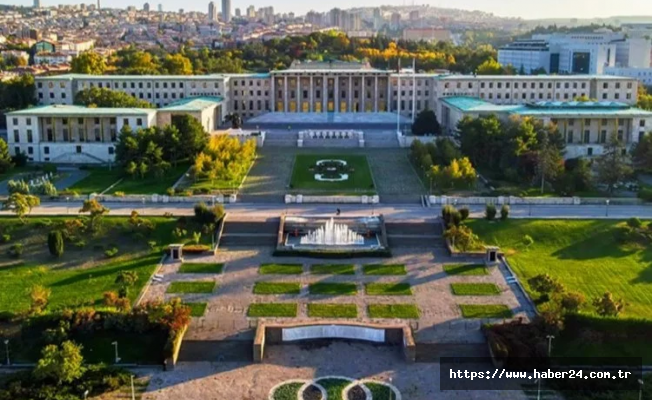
{"points": [[474, 104], [548, 108], [193, 104], [74, 111]]}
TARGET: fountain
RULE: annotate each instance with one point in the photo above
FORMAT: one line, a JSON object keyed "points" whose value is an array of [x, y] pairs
{"points": [[332, 234], [338, 237]]}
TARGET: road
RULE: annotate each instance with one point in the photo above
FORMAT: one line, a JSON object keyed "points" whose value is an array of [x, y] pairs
{"points": [[391, 212]]}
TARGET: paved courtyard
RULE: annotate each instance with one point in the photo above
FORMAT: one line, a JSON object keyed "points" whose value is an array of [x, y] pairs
{"points": [[269, 179], [244, 381], [363, 119]]}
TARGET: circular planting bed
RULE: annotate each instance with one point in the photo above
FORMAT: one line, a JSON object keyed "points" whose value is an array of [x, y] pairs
{"points": [[334, 388], [312, 392], [356, 393]]}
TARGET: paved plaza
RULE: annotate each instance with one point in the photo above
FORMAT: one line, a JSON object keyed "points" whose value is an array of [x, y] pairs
{"points": [[316, 119], [245, 381]]}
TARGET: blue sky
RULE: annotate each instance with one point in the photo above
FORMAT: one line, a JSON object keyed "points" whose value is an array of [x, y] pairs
{"points": [[513, 8]]}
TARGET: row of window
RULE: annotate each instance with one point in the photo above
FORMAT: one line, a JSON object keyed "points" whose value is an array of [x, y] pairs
{"points": [[80, 121], [533, 85], [65, 133], [540, 96], [46, 150]]}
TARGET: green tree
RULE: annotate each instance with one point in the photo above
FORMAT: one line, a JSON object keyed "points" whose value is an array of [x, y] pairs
{"points": [[17, 93], [96, 212], [607, 306], [125, 280], [21, 204], [107, 98], [177, 64], [55, 243], [490, 67], [613, 165], [88, 62], [550, 162], [545, 285], [39, 296], [60, 364], [641, 154], [6, 163], [426, 123], [191, 134], [572, 301]]}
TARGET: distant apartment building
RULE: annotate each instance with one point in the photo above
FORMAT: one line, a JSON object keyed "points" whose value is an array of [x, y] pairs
{"points": [[643, 75], [427, 34], [212, 12], [226, 10], [52, 58], [395, 21], [576, 53]]}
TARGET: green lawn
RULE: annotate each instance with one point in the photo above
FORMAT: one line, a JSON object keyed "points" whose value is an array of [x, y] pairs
{"points": [[585, 255], [100, 179], [281, 269], [201, 268], [343, 289], [474, 289], [332, 269], [359, 180], [277, 288], [332, 310], [81, 275], [191, 287], [388, 289], [382, 269], [272, 310], [401, 311], [334, 387], [485, 311], [287, 391], [197, 309], [466, 269]]}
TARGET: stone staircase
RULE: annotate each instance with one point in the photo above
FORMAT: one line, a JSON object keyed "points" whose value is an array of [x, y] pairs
{"points": [[249, 233], [381, 139]]}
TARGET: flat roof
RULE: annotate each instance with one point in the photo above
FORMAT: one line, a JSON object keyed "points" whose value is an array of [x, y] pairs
{"points": [[534, 77], [548, 108], [158, 77], [193, 104], [474, 104], [73, 111]]}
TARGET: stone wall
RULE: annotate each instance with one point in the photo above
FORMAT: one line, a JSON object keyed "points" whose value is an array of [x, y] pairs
{"points": [[500, 200], [300, 199], [157, 198]]}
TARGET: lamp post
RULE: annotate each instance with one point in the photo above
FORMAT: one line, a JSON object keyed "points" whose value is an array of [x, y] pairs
{"points": [[539, 389], [391, 392], [549, 337], [144, 206], [115, 346], [606, 213], [133, 393], [86, 394], [7, 351], [640, 389]]}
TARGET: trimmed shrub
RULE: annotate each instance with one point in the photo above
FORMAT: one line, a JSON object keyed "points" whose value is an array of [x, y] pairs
{"points": [[196, 249], [112, 252], [490, 212], [464, 213], [208, 215], [504, 212], [55, 243], [16, 251]]}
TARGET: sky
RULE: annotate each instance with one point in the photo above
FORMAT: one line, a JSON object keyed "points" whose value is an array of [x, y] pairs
{"points": [[528, 9]]}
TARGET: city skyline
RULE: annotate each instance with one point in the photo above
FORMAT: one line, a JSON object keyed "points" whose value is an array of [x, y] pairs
{"points": [[506, 8]]}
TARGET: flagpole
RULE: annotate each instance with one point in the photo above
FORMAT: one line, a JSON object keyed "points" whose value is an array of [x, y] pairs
{"points": [[414, 88], [398, 102]]}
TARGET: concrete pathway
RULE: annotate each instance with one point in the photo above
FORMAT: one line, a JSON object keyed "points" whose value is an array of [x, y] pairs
{"points": [[393, 212]]}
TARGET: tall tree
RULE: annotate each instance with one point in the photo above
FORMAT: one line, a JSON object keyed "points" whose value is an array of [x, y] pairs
{"points": [[21, 204], [426, 123], [613, 165], [6, 163], [191, 134], [490, 67], [17, 93], [61, 364], [550, 163], [88, 62], [642, 153], [177, 64]]}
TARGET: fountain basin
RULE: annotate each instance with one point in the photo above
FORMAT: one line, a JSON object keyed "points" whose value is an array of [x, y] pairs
{"points": [[336, 237]]}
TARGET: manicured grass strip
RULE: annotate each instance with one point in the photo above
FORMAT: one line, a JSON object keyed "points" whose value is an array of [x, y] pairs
{"points": [[191, 287], [201, 268], [381, 269], [287, 391], [281, 269], [403, 311], [466, 269], [332, 310], [378, 391], [272, 310], [333, 288], [485, 311], [196, 309], [332, 269], [474, 289], [388, 289], [334, 387], [277, 288]]}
